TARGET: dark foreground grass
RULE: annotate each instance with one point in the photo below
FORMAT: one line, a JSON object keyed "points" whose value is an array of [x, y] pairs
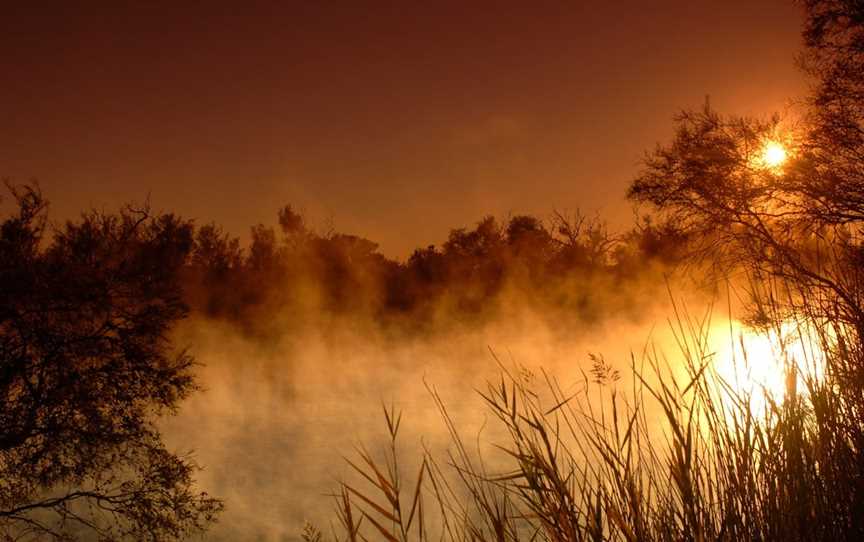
{"points": [[666, 450]]}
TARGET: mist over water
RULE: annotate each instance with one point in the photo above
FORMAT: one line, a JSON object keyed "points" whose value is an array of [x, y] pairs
{"points": [[303, 339], [696, 374], [276, 418]]}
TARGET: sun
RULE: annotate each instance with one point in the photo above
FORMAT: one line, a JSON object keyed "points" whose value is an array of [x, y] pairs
{"points": [[773, 154]]}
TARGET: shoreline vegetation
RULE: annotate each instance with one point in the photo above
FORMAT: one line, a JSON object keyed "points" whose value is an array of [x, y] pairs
{"points": [[657, 448], [778, 208]]}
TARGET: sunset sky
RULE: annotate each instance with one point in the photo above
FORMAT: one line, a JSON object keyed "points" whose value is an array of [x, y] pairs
{"points": [[396, 121]]}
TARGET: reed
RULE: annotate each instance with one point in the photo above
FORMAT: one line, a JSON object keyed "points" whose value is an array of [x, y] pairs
{"points": [[664, 450]]}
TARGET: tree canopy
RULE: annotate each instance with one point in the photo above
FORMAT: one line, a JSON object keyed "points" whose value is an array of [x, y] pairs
{"points": [[86, 367], [799, 222]]}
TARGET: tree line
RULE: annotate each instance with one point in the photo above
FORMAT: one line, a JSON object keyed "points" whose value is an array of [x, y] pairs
{"points": [[87, 308], [546, 265]]}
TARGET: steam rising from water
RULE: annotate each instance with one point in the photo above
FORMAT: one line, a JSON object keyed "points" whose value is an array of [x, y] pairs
{"points": [[276, 419]]}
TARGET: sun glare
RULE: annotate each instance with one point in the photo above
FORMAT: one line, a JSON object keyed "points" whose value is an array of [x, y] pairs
{"points": [[765, 367], [773, 154]]}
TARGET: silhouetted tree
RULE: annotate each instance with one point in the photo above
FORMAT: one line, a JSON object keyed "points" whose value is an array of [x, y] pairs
{"points": [[711, 185], [476, 257], [291, 271], [215, 252], [799, 222], [86, 366], [527, 238], [263, 253], [834, 56], [484, 240], [213, 271], [584, 243], [663, 242], [427, 265]]}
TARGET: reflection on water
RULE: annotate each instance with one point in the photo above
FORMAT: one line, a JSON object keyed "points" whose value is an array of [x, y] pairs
{"points": [[766, 365]]}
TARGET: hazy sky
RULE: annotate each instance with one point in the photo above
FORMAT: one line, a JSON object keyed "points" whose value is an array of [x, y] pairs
{"points": [[397, 120]]}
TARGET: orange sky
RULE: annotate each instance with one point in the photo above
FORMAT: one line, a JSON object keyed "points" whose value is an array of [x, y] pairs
{"points": [[396, 120]]}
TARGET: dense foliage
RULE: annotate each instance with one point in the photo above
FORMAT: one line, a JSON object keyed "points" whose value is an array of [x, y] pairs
{"points": [[86, 367], [568, 264]]}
